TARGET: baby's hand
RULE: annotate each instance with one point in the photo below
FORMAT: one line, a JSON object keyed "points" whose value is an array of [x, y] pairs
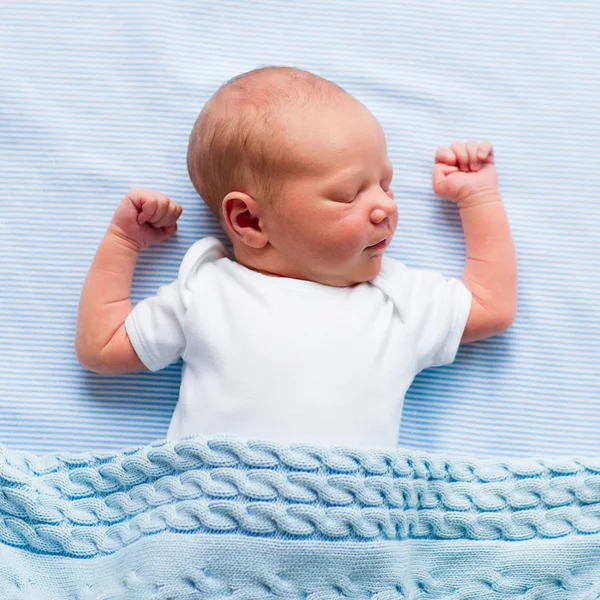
{"points": [[146, 217], [464, 171]]}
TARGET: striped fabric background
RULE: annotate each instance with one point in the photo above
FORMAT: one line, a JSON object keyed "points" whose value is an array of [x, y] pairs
{"points": [[99, 96]]}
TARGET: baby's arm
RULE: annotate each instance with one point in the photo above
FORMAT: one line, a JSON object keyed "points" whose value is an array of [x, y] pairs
{"points": [[143, 218], [466, 175]]}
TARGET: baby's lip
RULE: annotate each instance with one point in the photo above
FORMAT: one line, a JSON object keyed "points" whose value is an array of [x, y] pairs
{"points": [[380, 244]]}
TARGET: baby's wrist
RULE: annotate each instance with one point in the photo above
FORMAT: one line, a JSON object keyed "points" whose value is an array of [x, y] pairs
{"points": [[118, 237], [480, 198]]}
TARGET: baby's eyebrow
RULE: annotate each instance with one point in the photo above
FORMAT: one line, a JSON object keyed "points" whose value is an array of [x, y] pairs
{"points": [[348, 176]]}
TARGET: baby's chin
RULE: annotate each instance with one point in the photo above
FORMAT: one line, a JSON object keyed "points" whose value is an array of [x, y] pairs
{"points": [[367, 271], [374, 266]]}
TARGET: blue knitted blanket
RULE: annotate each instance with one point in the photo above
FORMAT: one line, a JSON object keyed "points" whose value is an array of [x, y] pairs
{"points": [[226, 518]]}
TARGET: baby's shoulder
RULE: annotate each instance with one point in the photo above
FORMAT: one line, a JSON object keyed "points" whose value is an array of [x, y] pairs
{"points": [[401, 282], [392, 270], [203, 252], [395, 270]]}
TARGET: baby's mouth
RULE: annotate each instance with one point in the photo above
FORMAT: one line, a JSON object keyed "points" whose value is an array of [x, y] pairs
{"points": [[379, 245]]}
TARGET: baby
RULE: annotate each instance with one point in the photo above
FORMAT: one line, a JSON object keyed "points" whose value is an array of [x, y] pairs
{"points": [[307, 333]]}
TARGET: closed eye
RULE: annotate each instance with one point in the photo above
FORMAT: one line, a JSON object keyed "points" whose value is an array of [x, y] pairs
{"points": [[347, 198]]}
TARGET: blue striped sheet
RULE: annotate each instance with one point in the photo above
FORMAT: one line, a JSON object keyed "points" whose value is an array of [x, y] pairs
{"points": [[97, 97]]}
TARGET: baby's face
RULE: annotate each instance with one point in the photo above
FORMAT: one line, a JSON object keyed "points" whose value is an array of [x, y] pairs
{"points": [[334, 218]]}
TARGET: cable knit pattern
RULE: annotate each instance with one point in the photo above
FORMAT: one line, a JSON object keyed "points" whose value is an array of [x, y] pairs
{"points": [[89, 505], [395, 517]]}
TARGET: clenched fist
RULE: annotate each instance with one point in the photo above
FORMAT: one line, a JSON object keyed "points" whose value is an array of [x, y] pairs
{"points": [[464, 171], [145, 217]]}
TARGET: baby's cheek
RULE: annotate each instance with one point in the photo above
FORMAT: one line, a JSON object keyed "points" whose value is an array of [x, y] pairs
{"points": [[349, 239]]}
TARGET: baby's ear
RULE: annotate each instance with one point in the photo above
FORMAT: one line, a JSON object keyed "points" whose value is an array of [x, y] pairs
{"points": [[242, 217]]}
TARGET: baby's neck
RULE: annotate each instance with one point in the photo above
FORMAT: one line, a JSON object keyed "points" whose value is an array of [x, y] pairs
{"points": [[268, 261], [261, 260], [262, 271]]}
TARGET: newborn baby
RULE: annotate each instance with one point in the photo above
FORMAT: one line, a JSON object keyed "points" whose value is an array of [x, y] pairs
{"points": [[307, 333]]}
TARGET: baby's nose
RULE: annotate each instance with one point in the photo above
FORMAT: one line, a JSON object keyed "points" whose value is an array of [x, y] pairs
{"points": [[385, 209], [378, 215]]}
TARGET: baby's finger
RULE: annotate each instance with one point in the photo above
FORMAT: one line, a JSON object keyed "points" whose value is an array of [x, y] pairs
{"points": [[448, 169], [485, 152], [160, 234], [148, 209], [162, 206], [472, 148], [445, 156], [173, 213], [461, 154], [159, 214]]}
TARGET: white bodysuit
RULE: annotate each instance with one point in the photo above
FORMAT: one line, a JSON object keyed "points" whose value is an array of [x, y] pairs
{"points": [[292, 360]]}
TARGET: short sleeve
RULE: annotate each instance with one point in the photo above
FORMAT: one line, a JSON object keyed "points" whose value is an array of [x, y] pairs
{"points": [[433, 308], [155, 326]]}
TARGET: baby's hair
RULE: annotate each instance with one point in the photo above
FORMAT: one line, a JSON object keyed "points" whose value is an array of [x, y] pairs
{"points": [[237, 144]]}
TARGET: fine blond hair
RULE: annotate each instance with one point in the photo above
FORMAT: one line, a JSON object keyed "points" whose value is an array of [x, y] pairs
{"points": [[237, 142]]}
